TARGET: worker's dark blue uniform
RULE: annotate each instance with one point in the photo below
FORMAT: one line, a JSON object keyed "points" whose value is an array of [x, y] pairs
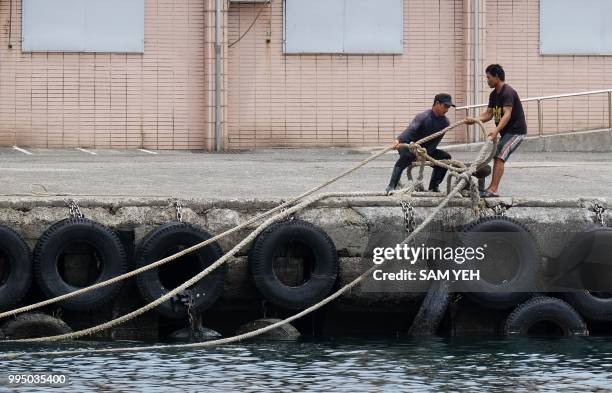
{"points": [[423, 125]]}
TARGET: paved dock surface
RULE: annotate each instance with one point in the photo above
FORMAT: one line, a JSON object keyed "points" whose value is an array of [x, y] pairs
{"points": [[270, 173]]}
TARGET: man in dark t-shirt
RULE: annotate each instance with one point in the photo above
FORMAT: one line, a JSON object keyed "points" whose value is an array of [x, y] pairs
{"points": [[424, 124], [506, 108]]}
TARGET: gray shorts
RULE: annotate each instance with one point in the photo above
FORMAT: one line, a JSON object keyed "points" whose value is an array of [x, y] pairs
{"points": [[507, 144]]}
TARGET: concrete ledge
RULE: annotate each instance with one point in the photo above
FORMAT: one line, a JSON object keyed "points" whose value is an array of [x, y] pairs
{"points": [[599, 141], [354, 224], [201, 205], [349, 221]]}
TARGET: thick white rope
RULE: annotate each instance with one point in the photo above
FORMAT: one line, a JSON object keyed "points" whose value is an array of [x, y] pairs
{"points": [[257, 332], [198, 276], [220, 236], [465, 178], [237, 248], [187, 250]]}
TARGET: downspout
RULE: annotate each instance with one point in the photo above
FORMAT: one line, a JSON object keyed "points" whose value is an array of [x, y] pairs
{"points": [[476, 87], [218, 70]]}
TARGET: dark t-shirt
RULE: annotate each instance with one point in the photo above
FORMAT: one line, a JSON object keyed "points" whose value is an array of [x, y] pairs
{"points": [[424, 124], [508, 97]]}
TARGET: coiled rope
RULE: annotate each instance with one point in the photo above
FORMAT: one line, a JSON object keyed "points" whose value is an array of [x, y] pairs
{"points": [[465, 178]]}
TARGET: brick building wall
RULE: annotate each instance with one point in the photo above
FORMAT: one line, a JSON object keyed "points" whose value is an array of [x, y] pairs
{"points": [[321, 100], [164, 98], [157, 100]]}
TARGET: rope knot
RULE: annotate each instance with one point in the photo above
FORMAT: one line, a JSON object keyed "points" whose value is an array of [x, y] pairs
{"points": [[465, 176], [418, 150]]}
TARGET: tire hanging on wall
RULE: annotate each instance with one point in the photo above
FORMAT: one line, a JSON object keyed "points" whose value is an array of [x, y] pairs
{"points": [[589, 249], [517, 285], [59, 268], [432, 310], [31, 325], [545, 313], [169, 239], [188, 334], [295, 238], [15, 268], [283, 333]]}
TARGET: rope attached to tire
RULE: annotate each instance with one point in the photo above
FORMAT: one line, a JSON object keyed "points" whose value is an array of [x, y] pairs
{"points": [[464, 179]]}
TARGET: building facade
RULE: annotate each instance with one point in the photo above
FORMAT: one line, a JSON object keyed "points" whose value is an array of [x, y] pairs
{"points": [[163, 98]]}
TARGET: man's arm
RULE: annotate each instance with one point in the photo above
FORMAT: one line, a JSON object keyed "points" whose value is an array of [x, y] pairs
{"points": [[484, 117], [502, 122], [408, 133]]}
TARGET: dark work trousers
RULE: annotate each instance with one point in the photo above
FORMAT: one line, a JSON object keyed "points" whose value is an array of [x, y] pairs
{"points": [[406, 159]]}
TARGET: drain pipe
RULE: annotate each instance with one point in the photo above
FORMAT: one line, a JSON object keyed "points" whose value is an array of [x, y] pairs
{"points": [[218, 70], [476, 87]]}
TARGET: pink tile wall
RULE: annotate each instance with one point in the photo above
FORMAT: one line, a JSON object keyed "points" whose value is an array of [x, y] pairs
{"points": [[164, 99], [512, 40], [323, 100], [155, 100]]}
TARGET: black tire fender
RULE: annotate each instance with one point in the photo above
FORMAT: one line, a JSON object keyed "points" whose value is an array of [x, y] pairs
{"points": [[545, 309], [432, 310], [283, 332], [31, 325], [166, 240], [110, 258], [524, 281], [594, 246], [324, 264], [591, 305], [15, 268]]}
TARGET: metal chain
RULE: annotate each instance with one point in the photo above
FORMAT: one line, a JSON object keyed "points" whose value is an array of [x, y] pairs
{"points": [[500, 210], [57, 313], [599, 211], [179, 210], [187, 300], [75, 211], [409, 220]]}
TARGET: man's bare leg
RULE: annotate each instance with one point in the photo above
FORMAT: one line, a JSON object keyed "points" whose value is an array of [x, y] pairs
{"points": [[498, 172]]}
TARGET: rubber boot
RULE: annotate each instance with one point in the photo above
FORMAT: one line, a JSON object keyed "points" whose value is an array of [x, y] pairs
{"points": [[395, 177], [481, 184], [436, 178], [481, 175]]}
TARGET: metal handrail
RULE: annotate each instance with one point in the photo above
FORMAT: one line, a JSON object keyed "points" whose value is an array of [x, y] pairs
{"points": [[539, 100], [584, 93]]}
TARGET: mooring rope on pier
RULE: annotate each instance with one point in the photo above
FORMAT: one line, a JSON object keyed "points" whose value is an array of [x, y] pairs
{"points": [[102, 284], [464, 178], [195, 247]]}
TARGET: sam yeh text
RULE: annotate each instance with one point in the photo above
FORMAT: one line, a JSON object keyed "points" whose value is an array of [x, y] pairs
{"points": [[427, 275]]}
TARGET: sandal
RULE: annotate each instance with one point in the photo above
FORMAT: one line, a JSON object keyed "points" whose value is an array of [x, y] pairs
{"points": [[488, 194]]}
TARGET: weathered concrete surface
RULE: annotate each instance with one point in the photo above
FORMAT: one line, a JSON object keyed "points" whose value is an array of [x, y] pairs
{"points": [[348, 221], [354, 224], [274, 173]]}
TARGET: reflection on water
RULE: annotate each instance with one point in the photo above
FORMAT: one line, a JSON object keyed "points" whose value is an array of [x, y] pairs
{"points": [[345, 365]]}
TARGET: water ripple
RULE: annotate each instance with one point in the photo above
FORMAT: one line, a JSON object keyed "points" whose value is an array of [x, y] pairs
{"points": [[520, 365]]}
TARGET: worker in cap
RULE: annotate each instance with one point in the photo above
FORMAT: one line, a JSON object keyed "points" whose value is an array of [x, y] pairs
{"points": [[424, 124]]}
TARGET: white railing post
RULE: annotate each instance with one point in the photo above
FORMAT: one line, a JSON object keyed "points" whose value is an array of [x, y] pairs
{"points": [[610, 110], [467, 128], [540, 123]]}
